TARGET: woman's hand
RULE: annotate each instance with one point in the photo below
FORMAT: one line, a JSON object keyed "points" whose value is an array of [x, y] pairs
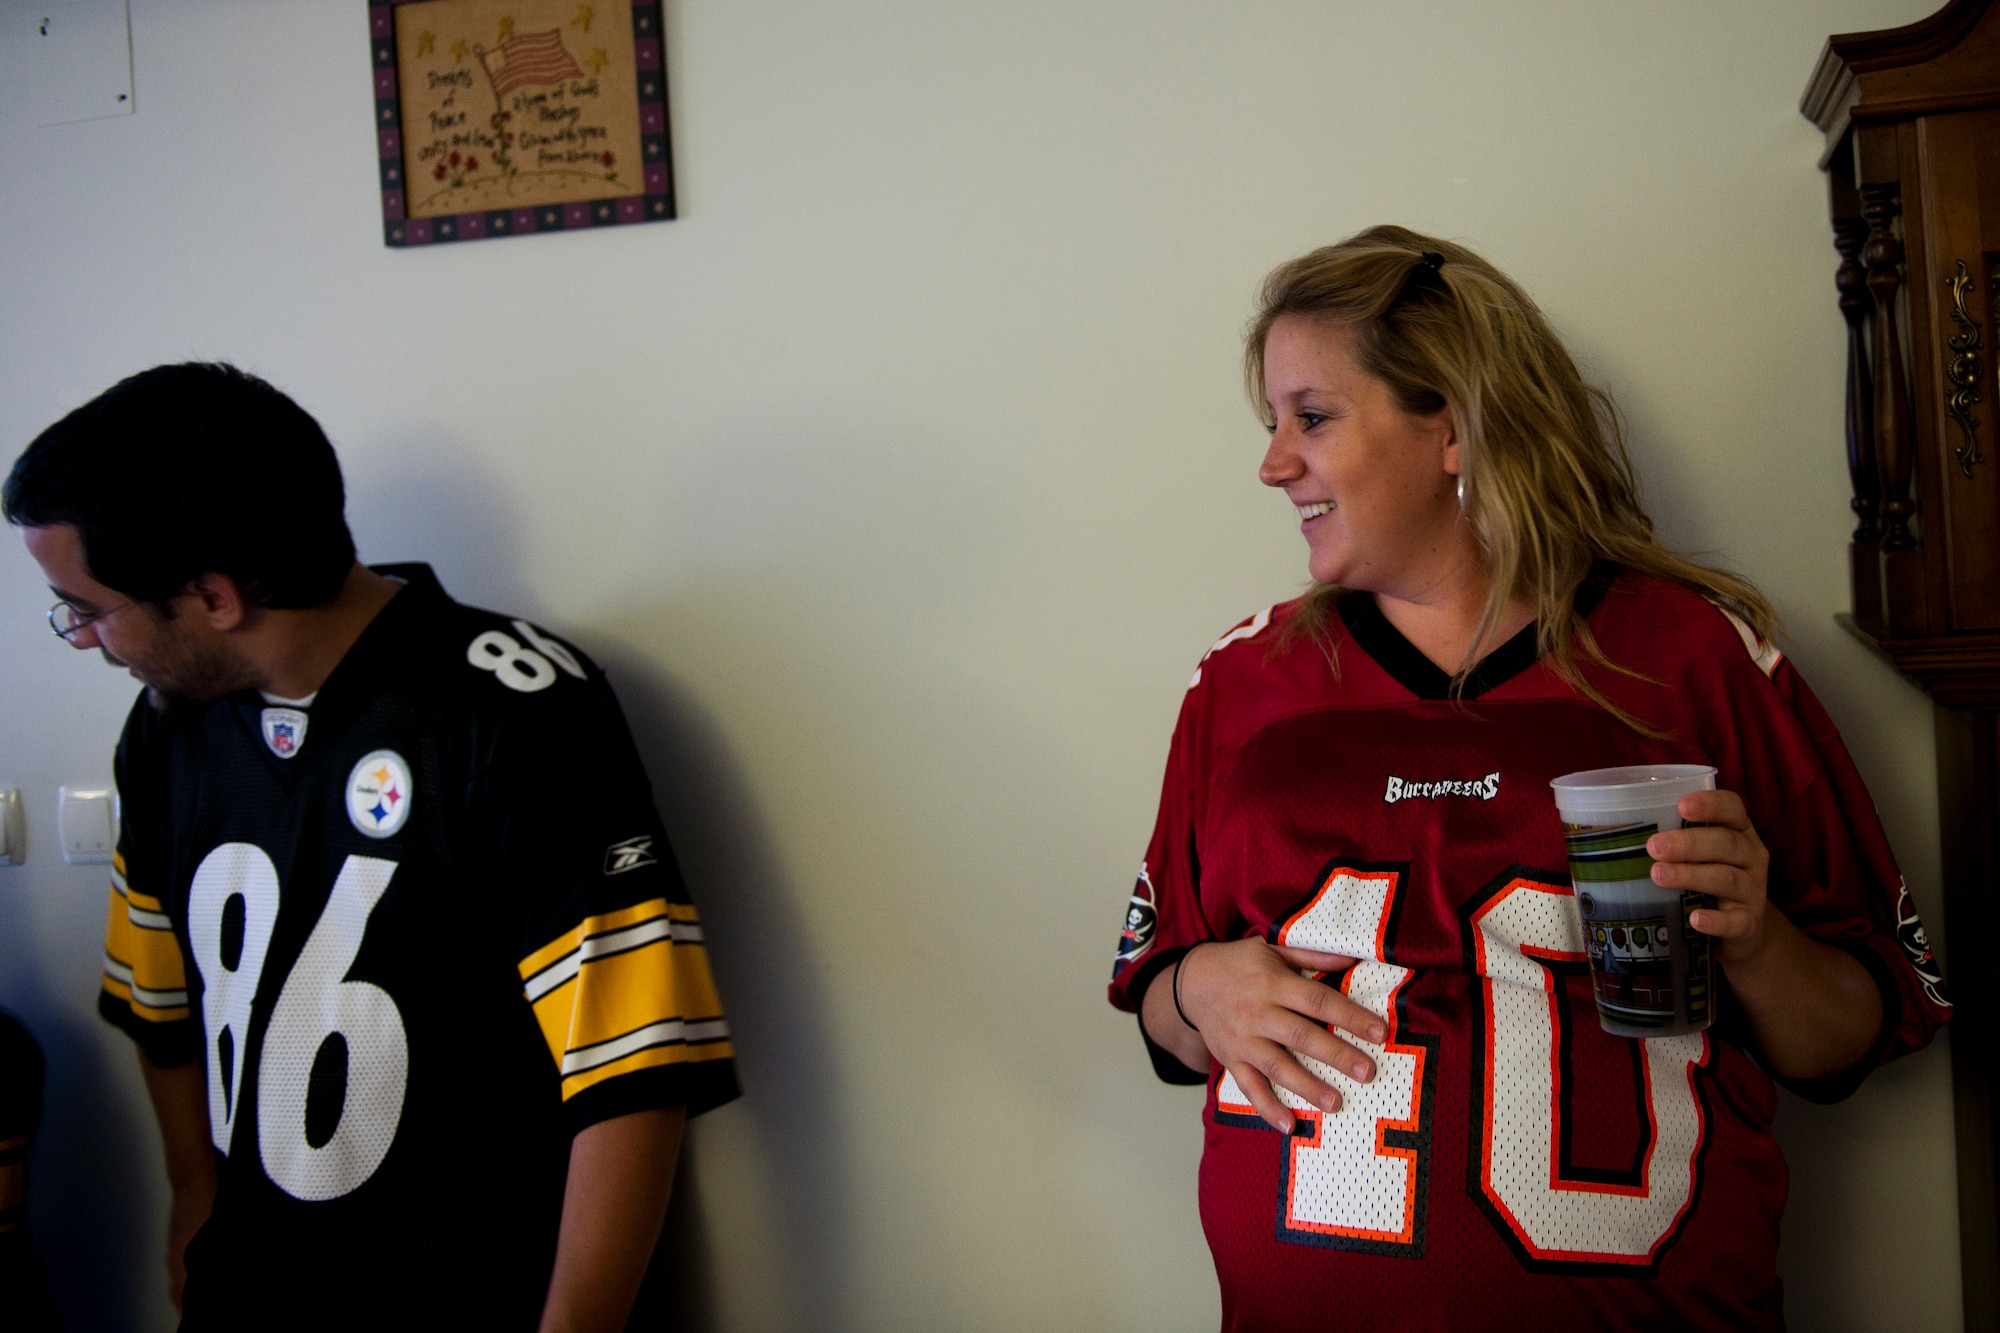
{"points": [[1724, 859], [1814, 1009], [1253, 1010]]}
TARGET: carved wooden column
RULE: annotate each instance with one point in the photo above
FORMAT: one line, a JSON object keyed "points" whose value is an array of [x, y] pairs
{"points": [[1864, 552], [1895, 447]]}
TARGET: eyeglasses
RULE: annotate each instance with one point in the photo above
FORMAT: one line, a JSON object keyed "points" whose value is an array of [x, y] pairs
{"points": [[68, 622]]}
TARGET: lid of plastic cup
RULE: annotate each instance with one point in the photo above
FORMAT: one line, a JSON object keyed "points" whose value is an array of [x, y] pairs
{"points": [[1631, 786]]}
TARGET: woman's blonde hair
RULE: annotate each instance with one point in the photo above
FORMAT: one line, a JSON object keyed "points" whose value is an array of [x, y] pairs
{"points": [[1548, 484]]}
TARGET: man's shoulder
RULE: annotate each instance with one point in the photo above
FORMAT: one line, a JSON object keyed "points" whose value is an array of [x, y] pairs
{"points": [[496, 691], [508, 662], [483, 660]]}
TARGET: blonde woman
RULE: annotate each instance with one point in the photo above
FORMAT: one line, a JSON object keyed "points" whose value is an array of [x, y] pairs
{"points": [[1353, 921]]}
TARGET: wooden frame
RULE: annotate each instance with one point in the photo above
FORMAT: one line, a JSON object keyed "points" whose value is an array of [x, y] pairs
{"points": [[1910, 117], [500, 117]]}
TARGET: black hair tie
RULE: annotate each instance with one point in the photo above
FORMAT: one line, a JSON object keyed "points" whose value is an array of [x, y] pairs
{"points": [[1423, 273], [1177, 983]]}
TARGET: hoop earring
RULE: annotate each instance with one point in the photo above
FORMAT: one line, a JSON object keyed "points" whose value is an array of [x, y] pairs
{"points": [[1461, 490]]}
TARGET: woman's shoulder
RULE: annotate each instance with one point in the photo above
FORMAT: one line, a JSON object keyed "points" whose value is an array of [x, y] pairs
{"points": [[1253, 643], [1673, 623]]}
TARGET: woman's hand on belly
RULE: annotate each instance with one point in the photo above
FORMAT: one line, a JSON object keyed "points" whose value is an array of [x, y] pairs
{"points": [[1253, 1010]]}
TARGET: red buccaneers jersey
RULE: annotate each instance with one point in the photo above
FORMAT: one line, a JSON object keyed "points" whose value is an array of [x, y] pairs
{"points": [[1510, 1165]]}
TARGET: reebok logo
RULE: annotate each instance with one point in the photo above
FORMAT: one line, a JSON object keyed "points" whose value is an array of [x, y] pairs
{"points": [[630, 854], [1402, 789]]}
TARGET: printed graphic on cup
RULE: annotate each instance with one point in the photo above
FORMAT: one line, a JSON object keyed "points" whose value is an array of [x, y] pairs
{"points": [[1652, 974], [1631, 927]]}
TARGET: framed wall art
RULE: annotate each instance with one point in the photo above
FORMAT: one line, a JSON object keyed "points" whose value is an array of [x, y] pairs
{"points": [[499, 117]]}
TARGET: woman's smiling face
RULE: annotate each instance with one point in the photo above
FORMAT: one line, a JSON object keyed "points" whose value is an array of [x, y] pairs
{"points": [[1375, 485]]}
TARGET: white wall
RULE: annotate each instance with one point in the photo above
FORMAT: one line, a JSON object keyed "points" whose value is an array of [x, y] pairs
{"points": [[900, 483]]}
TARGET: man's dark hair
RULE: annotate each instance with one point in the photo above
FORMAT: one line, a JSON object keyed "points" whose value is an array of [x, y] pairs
{"points": [[190, 469]]}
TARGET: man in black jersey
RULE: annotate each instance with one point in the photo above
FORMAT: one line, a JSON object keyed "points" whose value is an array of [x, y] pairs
{"points": [[419, 995]]}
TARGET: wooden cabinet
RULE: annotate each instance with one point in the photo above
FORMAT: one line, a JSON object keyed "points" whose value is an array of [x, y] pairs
{"points": [[1912, 123]]}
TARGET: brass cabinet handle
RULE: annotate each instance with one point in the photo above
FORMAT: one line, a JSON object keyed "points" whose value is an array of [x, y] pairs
{"points": [[1961, 368]]}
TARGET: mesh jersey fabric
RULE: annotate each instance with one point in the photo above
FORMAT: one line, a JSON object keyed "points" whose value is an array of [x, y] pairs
{"points": [[417, 954], [1511, 1165]]}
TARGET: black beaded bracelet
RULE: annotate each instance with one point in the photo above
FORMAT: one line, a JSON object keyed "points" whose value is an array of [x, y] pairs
{"points": [[1177, 982]]}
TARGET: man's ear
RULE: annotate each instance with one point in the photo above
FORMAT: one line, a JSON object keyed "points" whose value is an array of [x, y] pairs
{"points": [[219, 601]]}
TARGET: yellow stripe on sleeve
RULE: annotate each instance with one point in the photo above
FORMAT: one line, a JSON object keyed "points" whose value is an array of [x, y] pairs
{"points": [[626, 990], [143, 967], [137, 901], [567, 943], [646, 1059]]}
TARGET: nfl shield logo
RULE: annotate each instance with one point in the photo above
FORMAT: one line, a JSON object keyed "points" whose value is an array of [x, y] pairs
{"points": [[284, 731]]}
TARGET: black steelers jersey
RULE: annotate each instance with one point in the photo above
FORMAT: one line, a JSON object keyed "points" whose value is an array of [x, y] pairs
{"points": [[421, 930]]}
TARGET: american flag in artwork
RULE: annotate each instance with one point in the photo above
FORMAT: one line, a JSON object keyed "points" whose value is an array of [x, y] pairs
{"points": [[531, 58]]}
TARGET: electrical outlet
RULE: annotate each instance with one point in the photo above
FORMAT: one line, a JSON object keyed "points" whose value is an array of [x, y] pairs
{"points": [[89, 832]]}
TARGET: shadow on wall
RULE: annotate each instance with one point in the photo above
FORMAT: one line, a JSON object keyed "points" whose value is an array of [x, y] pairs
{"points": [[437, 504], [776, 1006], [104, 1268]]}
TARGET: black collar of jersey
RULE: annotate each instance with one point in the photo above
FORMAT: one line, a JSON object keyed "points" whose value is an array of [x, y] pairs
{"points": [[1408, 667], [421, 594]]}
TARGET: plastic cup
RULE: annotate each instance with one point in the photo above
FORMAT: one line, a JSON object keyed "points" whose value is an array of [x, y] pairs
{"points": [[1652, 973]]}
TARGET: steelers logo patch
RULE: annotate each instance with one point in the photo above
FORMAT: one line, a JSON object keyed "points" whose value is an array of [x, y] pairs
{"points": [[378, 794]]}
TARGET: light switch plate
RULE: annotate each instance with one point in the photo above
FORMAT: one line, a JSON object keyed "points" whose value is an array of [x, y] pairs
{"points": [[13, 828], [83, 59], [89, 832]]}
